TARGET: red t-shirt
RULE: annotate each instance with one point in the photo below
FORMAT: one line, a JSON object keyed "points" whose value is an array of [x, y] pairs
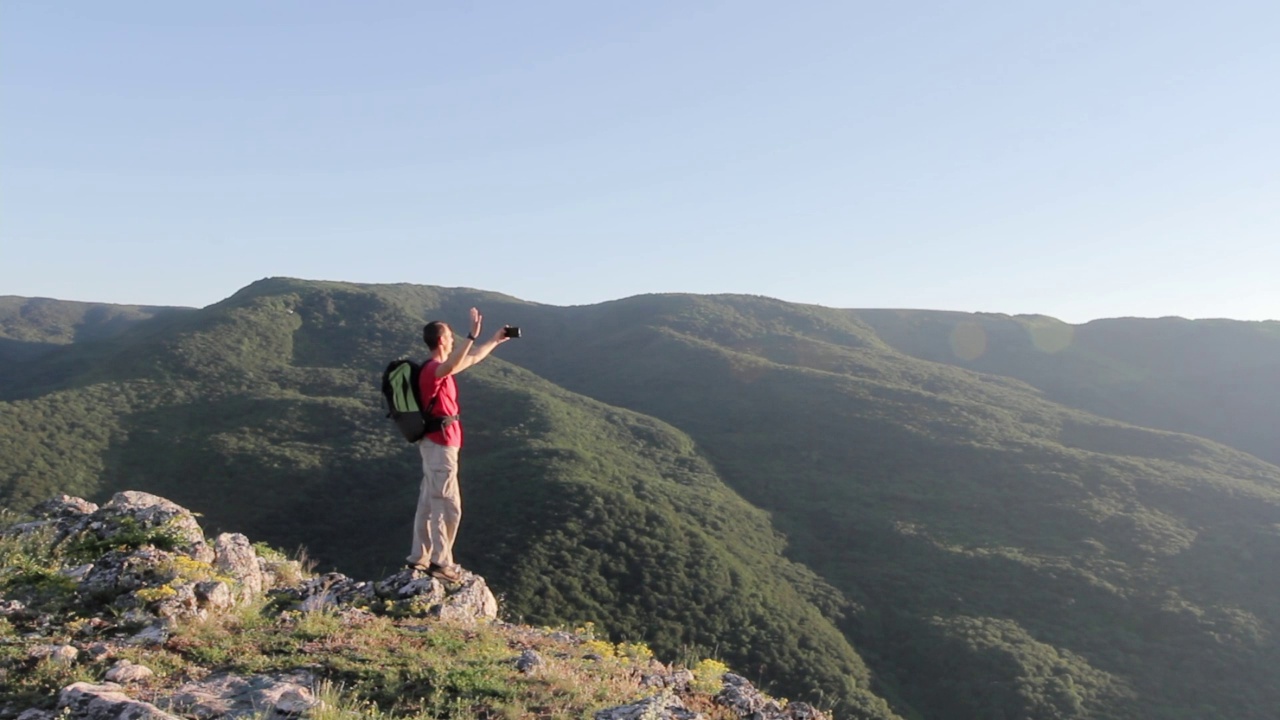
{"points": [[445, 391]]}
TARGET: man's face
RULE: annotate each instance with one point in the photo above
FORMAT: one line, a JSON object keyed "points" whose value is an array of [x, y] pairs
{"points": [[446, 341]]}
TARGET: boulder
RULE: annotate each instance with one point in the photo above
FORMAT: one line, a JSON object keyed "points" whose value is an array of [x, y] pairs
{"points": [[56, 654], [528, 662], [236, 557], [127, 672], [85, 701], [151, 512], [230, 695]]}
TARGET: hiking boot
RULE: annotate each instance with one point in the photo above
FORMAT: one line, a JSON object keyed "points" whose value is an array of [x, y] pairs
{"points": [[447, 574]]}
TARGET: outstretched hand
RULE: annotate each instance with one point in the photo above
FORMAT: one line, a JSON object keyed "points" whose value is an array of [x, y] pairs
{"points": [[500, 336], [476, 320]]}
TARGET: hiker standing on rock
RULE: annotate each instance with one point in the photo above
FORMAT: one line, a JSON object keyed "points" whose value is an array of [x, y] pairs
{"points": [[435, 525]]}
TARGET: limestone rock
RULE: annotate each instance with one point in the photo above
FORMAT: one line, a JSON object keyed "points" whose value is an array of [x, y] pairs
{"points": [[237, 558], [119, 572], [151, 512], [64, 506], [57, 654], [748, 703], [528, 662], [472, 600], [85, 701], [127, 672], [228, 695], [214, 595], [663, 706], [678, 680]]}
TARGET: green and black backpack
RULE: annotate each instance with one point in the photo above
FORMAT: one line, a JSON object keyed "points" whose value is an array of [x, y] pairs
{"points": [[404, 401]]}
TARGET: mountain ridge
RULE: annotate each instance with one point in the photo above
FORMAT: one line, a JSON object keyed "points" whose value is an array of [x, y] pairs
{"points": [[970, 512]]}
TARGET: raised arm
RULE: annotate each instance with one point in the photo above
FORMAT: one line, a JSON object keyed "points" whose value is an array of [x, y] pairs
{"points": [[465, 352]]}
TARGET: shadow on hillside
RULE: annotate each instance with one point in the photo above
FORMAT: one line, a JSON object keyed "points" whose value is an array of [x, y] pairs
{"points": [[290, 472], [24, 350]]}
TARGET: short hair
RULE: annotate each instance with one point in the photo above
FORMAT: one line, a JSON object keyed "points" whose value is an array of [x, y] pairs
{"points": [[432, 332]]}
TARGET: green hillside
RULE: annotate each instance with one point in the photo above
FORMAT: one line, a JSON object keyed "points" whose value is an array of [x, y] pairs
{"points": [[30, 327], [990, 547], [1218, 379], [967, 512], [262, 413]]}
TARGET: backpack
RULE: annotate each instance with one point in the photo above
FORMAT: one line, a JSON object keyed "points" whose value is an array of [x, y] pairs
{"points": [[404, 401]]}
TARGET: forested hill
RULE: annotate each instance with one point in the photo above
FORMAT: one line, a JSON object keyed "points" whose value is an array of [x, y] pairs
{"points": [[30, 327], [867, 505], [1219, 379]]}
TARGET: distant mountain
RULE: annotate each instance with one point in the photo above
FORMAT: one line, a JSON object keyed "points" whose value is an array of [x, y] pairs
{"points": [[30, 327], [1219, 379], [919, 486]]}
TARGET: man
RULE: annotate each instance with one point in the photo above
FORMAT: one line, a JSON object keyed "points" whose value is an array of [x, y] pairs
{"points": [[435, 525]]}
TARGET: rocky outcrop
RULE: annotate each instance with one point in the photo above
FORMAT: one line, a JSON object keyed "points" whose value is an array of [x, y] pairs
{"points": [[140, 565], [147, 566]]}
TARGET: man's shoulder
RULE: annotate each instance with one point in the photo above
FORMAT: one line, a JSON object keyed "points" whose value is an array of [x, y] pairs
{"points": [[428, 372]]}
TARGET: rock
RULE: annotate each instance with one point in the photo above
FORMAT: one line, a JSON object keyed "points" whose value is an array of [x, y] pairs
{"points": [[214, 595], [78, 573], [528, 662], [414, 586], [85, 701], [237, 558], [472, 601], [181, 605], [678, 680], [66, 515], [126, 672], [228, 695], [745, 701], [58, 654], [34, 714], [151, 512], [13, 609], [279, 573], [119, 572], [99, 651], [150, 635], [64, 506], [740, 696], [295, 701], [663, 706], [355, 616], [331, 590]]}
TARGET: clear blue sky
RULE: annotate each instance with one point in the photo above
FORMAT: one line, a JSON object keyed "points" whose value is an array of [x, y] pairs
{"points": [[1076, 159]]}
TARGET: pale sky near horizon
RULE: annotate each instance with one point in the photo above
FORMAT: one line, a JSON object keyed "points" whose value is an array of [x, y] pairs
{"points": [[1080, 160]]}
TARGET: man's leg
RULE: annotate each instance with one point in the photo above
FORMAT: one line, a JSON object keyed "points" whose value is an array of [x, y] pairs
{"points": [[420, 551], [444, 502]]}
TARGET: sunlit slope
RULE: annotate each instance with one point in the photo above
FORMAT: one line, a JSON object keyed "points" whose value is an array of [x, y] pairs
{"points": [[262, 413], [967, 511], [1219, 379]]}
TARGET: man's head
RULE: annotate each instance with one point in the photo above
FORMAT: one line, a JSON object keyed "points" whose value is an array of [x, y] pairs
{"points": [[438, 336]]}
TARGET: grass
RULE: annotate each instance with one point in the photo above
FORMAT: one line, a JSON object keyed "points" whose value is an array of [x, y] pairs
{"points": [[382, 667]]}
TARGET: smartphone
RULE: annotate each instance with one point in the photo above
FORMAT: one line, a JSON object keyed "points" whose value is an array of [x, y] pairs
{"points": [[511, 331]]}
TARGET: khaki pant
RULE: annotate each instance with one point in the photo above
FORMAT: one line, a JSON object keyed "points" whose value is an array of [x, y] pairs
{"points": [[435, 524]]}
